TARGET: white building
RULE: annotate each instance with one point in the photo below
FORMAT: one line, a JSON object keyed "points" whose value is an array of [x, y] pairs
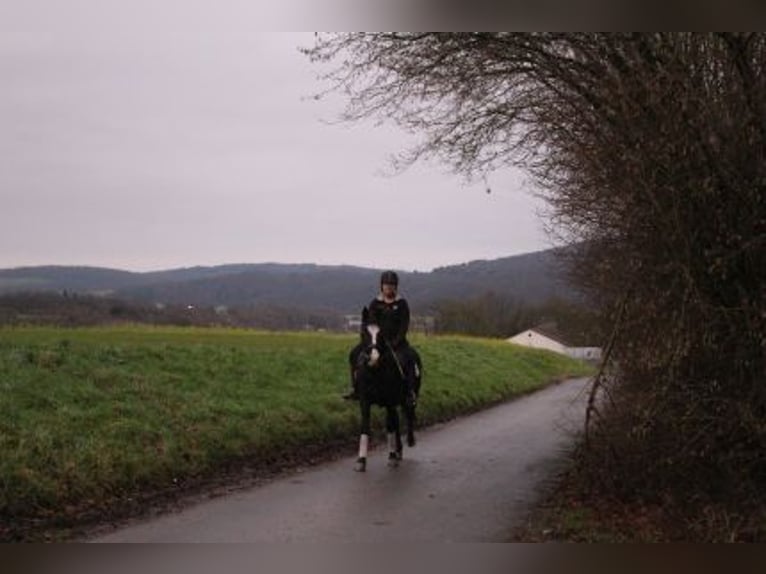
{"points": [[547, 337]]}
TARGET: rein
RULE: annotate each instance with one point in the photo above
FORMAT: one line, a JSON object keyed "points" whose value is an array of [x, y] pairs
{"points": [[396, 360]]}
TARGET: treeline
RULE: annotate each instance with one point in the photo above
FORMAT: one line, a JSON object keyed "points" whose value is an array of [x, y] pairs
{"points": [[72, 310], [497, 315], [488, 315]]}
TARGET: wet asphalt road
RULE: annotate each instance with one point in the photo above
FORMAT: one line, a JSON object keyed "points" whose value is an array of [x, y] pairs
{"points": [[470, 480]]}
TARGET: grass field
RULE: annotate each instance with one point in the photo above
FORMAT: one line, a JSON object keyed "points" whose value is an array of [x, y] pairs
{"points": [[88, 416]]}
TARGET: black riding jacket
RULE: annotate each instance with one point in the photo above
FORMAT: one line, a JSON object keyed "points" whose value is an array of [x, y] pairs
{"points": [[392, 318]]}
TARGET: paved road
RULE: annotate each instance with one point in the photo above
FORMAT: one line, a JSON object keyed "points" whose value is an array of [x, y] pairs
{"points": [[470, 480]]}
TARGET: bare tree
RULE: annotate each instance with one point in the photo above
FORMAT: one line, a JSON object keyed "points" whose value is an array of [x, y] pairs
{"points": [[650, 150]]}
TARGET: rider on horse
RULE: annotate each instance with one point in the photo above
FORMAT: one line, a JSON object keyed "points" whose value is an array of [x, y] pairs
{"points": [[391, 313]]}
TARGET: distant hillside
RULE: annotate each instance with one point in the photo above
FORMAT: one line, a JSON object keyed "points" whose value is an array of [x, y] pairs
{"points": [[530, 279], [101, 280], [59, 278]]}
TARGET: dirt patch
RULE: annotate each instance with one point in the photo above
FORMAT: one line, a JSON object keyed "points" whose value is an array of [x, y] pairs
{"points": [[567, 514]]}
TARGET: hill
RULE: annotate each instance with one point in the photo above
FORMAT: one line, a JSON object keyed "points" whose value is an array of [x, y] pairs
{"points": [[531, 279]]}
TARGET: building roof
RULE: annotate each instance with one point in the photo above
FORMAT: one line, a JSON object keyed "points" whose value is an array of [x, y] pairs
{"points": [[551, 331]]}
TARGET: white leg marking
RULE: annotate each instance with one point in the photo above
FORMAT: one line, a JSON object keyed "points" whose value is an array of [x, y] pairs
{"points": [[364, 443]]}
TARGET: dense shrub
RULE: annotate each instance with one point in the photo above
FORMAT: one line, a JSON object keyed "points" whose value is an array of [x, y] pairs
{"points": [[650, 150]]}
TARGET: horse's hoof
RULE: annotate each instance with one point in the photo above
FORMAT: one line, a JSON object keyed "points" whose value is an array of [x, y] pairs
{"points": [[393, 459], [361, 465], [411, 440]]}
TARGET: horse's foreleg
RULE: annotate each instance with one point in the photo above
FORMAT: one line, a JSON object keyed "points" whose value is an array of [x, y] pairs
{"points": [[409, 417], [394, 436], [411, 402], [364, 437], [361, 461]]}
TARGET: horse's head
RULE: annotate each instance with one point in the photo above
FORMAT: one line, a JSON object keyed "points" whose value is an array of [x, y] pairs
{"points": [[369, 334], [373, 330]]}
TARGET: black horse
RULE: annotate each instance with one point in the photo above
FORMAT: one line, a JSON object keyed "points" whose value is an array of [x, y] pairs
{"points": [[381, 380]]}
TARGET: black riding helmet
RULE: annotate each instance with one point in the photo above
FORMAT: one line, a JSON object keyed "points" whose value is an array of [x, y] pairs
{"points": [[390, 278]]}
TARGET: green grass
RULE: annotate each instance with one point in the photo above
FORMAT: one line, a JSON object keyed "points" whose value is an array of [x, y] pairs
{"points": [[90, 415]]}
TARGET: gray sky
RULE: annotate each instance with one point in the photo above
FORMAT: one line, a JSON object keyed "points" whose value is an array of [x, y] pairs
{"points": [[147, 135]]}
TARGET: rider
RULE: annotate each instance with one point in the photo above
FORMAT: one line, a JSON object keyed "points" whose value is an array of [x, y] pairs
{"points": [[392, 314]]}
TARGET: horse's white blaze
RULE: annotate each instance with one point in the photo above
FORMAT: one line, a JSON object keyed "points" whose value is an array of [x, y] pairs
{"points": [[373, 330], [391, 442], [364, 443]]}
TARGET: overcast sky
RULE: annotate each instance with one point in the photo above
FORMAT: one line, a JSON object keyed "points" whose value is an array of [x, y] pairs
{"points": [[147, 135]]}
